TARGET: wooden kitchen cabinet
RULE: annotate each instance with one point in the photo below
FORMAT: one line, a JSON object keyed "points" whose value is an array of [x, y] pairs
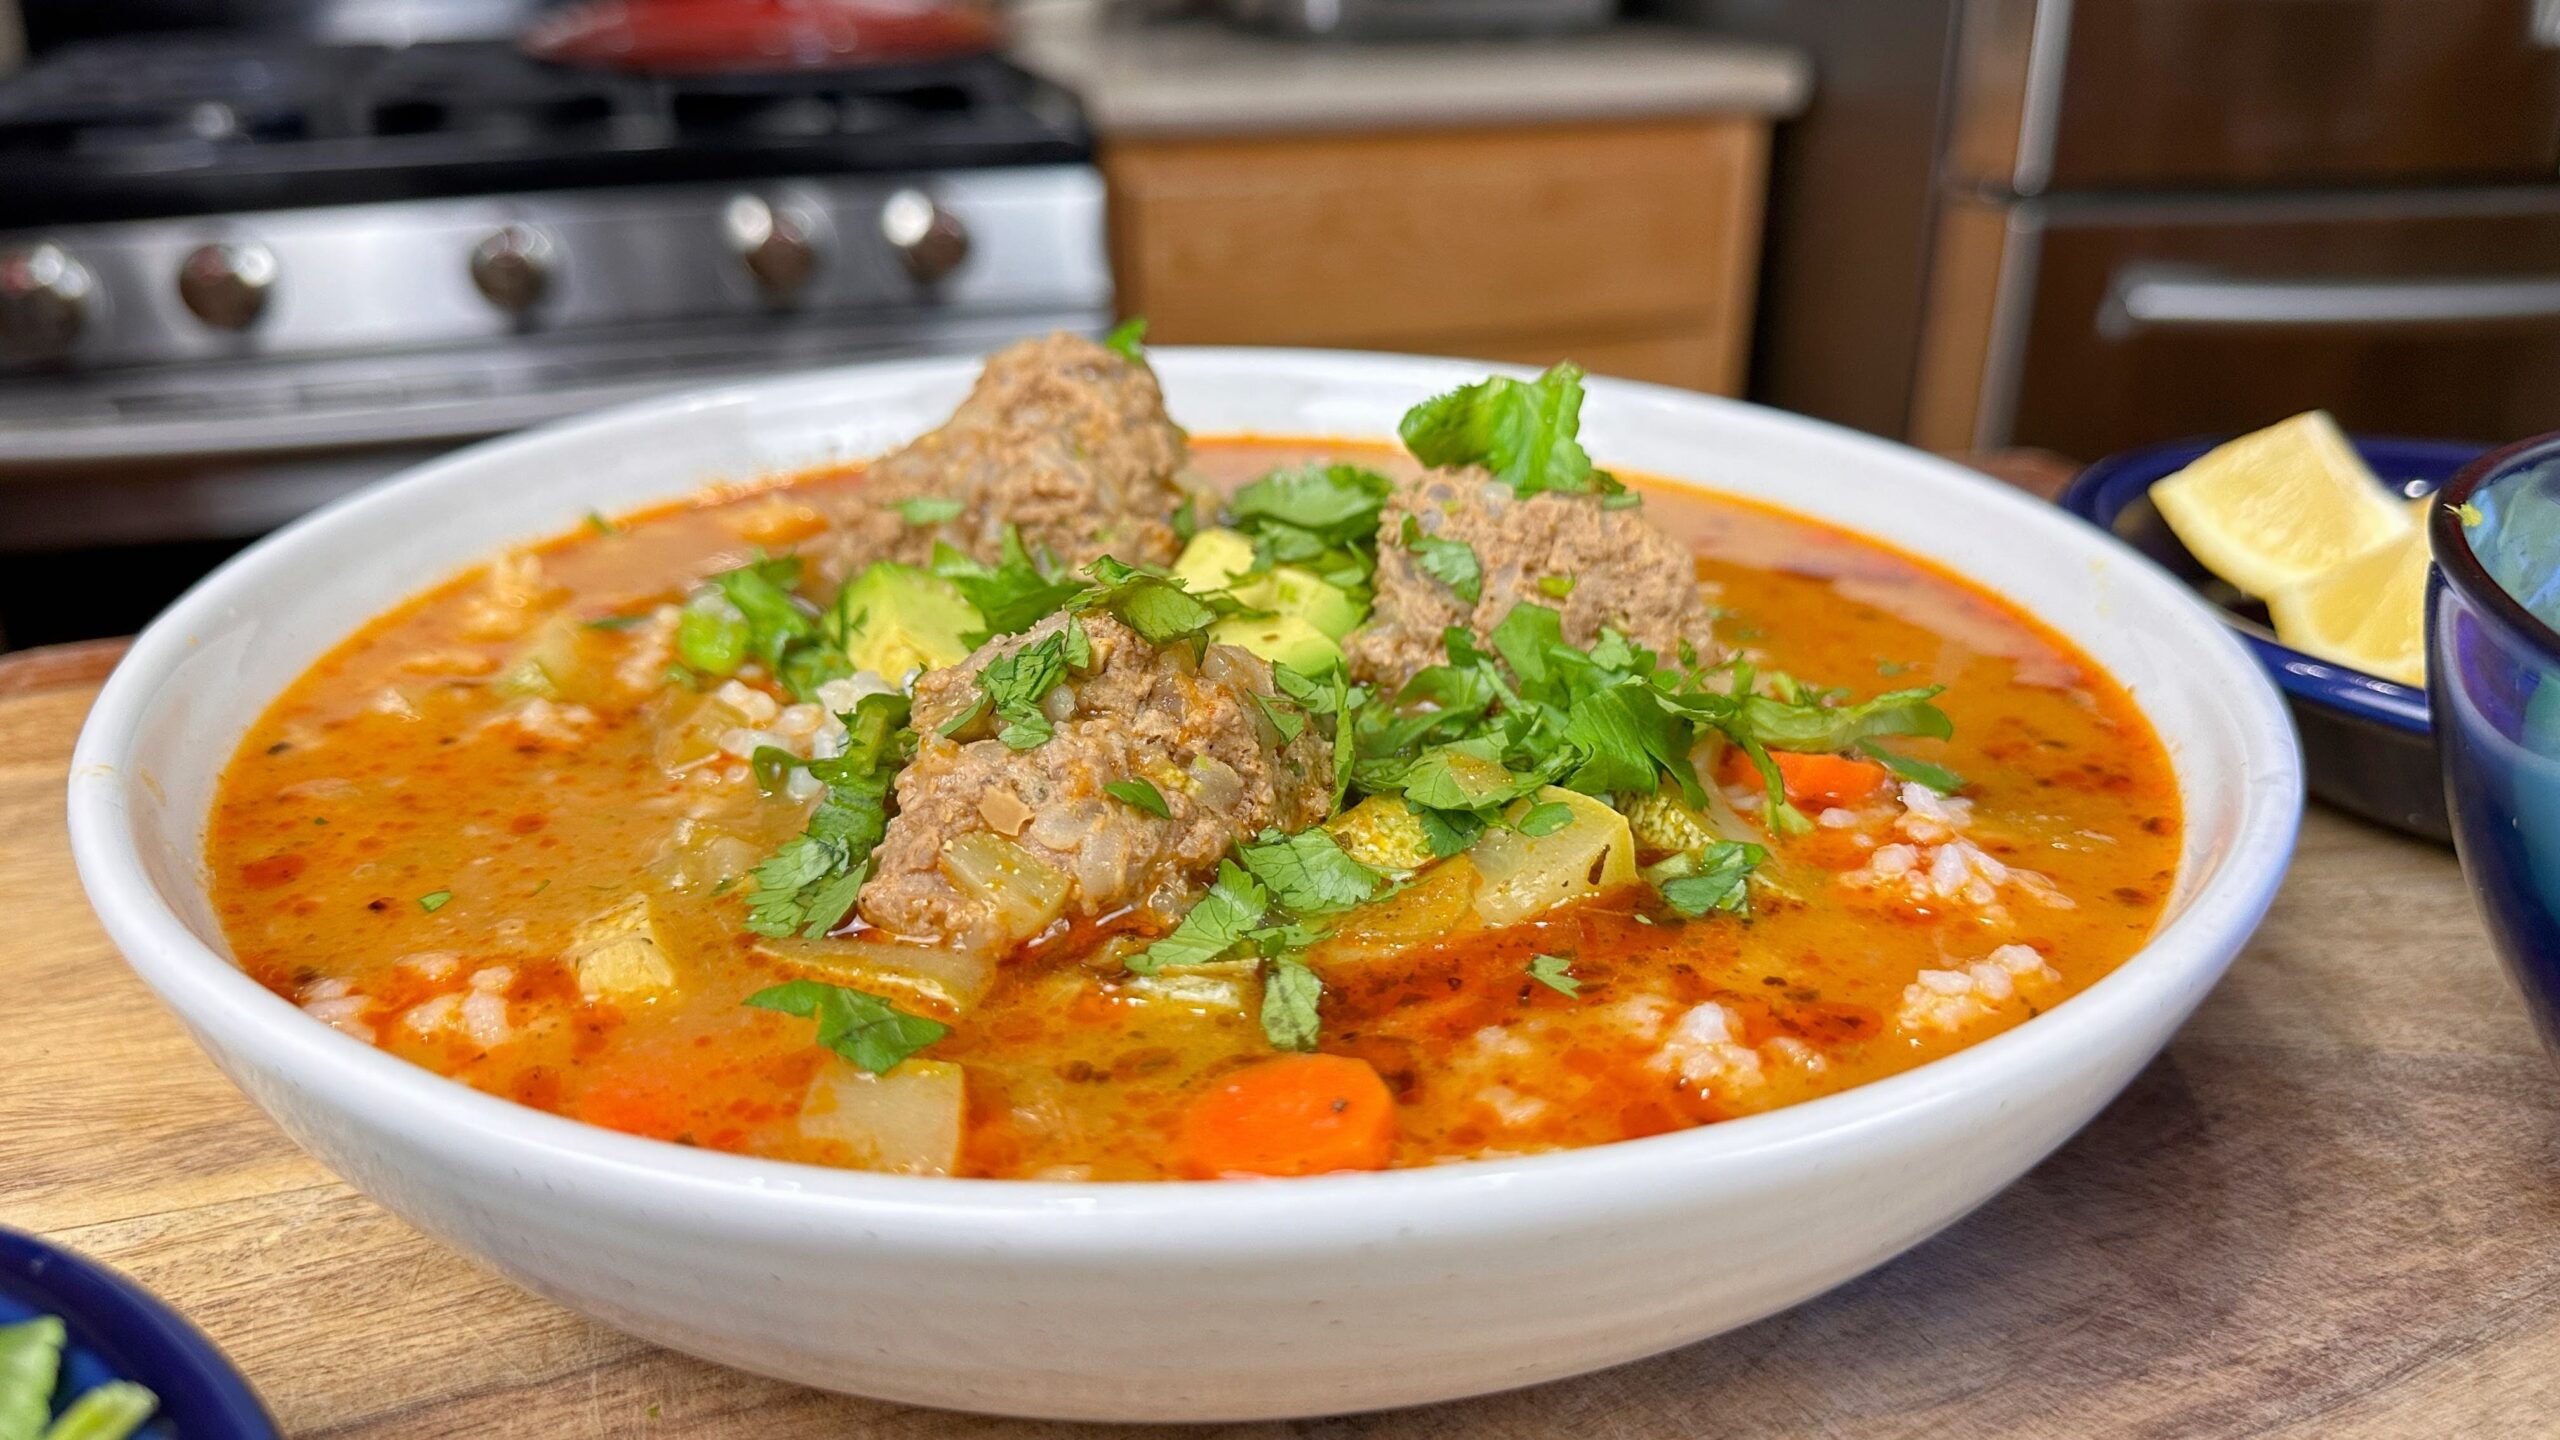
{"points": [[1630, 247]]}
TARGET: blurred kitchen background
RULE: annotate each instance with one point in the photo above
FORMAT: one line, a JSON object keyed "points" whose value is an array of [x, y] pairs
{"points": [[255, 253]]}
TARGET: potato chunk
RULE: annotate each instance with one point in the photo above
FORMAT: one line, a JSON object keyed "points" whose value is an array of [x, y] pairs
{"points": [[621, 955], [1526, 875], [907, 1121]]}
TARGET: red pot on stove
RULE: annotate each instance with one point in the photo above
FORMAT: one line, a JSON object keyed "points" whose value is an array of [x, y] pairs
{"points": [[696, 37]]}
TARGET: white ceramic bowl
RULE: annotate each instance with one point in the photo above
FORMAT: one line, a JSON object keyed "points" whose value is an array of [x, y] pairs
{"points": [[1169, 1301]]}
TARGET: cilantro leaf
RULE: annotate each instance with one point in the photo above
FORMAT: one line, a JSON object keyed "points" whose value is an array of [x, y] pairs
{"points": [[1014, 685], [1150, 602], [1140, 795], [1012, 595], [1545, 818], [1451, 562], [1321, 518], [1555, 972], [1290, 994], [927, 509], [1714, 878], [1286, 719], [1522, 431], [1936, 777], [809, 885], [866, 1030], [435, 900], [1128, 340], [1232, 907], [1308, 873], [1817, 729]]}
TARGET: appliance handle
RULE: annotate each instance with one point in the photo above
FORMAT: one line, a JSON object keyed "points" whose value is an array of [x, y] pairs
{"points": [[2161, 297]]}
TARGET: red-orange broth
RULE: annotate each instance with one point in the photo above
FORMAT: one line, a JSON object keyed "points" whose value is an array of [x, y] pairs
{"points": [[386, 856]]}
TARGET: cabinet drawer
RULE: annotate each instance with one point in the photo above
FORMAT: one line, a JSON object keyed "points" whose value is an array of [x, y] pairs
{"points": [[1442, 236]]}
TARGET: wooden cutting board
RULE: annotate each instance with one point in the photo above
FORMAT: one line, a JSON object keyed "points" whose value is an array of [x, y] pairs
{"points": [[2331, 1209]]}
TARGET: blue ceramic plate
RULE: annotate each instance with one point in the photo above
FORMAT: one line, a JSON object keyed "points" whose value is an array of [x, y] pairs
{"points": [[2365, 739], [119, 1332]]}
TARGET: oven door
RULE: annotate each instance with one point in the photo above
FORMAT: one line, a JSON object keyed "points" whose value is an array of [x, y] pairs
{"points": [[2428, 313]]}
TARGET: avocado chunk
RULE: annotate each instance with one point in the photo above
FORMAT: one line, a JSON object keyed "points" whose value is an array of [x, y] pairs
{"points": [[1288, 590], [1213, 560], [1281, 639], [900, 618]]}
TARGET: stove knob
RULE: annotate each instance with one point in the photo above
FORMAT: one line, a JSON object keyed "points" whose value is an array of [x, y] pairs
{"points": [[44, 297], [930, 241], [512, 267], [226, 283], [774, 247]]}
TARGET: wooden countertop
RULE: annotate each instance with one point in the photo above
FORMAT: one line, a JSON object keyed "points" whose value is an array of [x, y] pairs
{"points": [[1196, 77], [2329, 1209]]}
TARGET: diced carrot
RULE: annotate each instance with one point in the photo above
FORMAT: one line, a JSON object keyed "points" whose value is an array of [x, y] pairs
{"points": [[1294, 1115], [1820, 782]]}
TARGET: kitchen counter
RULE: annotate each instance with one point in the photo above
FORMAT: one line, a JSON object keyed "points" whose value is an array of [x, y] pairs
{"points": [[2326, 1210], [1194, 77]]}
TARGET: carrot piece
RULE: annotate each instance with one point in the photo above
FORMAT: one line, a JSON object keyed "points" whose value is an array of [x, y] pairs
{"points": [[1820, 782], [1294, 1115]]}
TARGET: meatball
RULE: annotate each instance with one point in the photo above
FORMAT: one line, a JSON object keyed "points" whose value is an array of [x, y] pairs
{"points": [[1624, 574], [1062, 437], [1193, 727]]}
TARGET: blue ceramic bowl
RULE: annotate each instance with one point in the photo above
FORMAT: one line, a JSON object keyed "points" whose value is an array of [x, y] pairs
{"points": [[2492, 663], [119, 1332], [2365, 740]]}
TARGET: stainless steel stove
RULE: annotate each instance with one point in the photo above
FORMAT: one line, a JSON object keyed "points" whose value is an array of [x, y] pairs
{"points": [[238, 276]]}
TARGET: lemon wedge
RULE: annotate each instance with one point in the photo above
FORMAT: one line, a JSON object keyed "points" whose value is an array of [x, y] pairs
{"points": [[2369, 612], [2278, 508]]}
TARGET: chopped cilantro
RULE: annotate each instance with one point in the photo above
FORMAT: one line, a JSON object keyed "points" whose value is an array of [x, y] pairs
{"points": [[1012, 595], [1287, 720], [1521, 430], [1936, 777], [1233, 907], [1555, 586], [809, 885], [1151, 602], [1545, 818], [927, 509], [615, 622], [1451, 562], [1185, 519], [1891, 668], [1321, 518], [1290, 994], [772, 766], [1308, 873], [1712, 879], [1141, 795], [1128, 340], [1013, 686], [600, 525], [434, 900], [867, 1031], [1555, 972]]}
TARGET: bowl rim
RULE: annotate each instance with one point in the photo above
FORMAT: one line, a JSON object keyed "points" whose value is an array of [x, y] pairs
{"points": [[143, 1338], [2461, 565], [2173, 969], [2107, 487]]}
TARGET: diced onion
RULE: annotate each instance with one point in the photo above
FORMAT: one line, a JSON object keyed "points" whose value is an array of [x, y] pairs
{"points": [[907, 1121], [1024, 892]]}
